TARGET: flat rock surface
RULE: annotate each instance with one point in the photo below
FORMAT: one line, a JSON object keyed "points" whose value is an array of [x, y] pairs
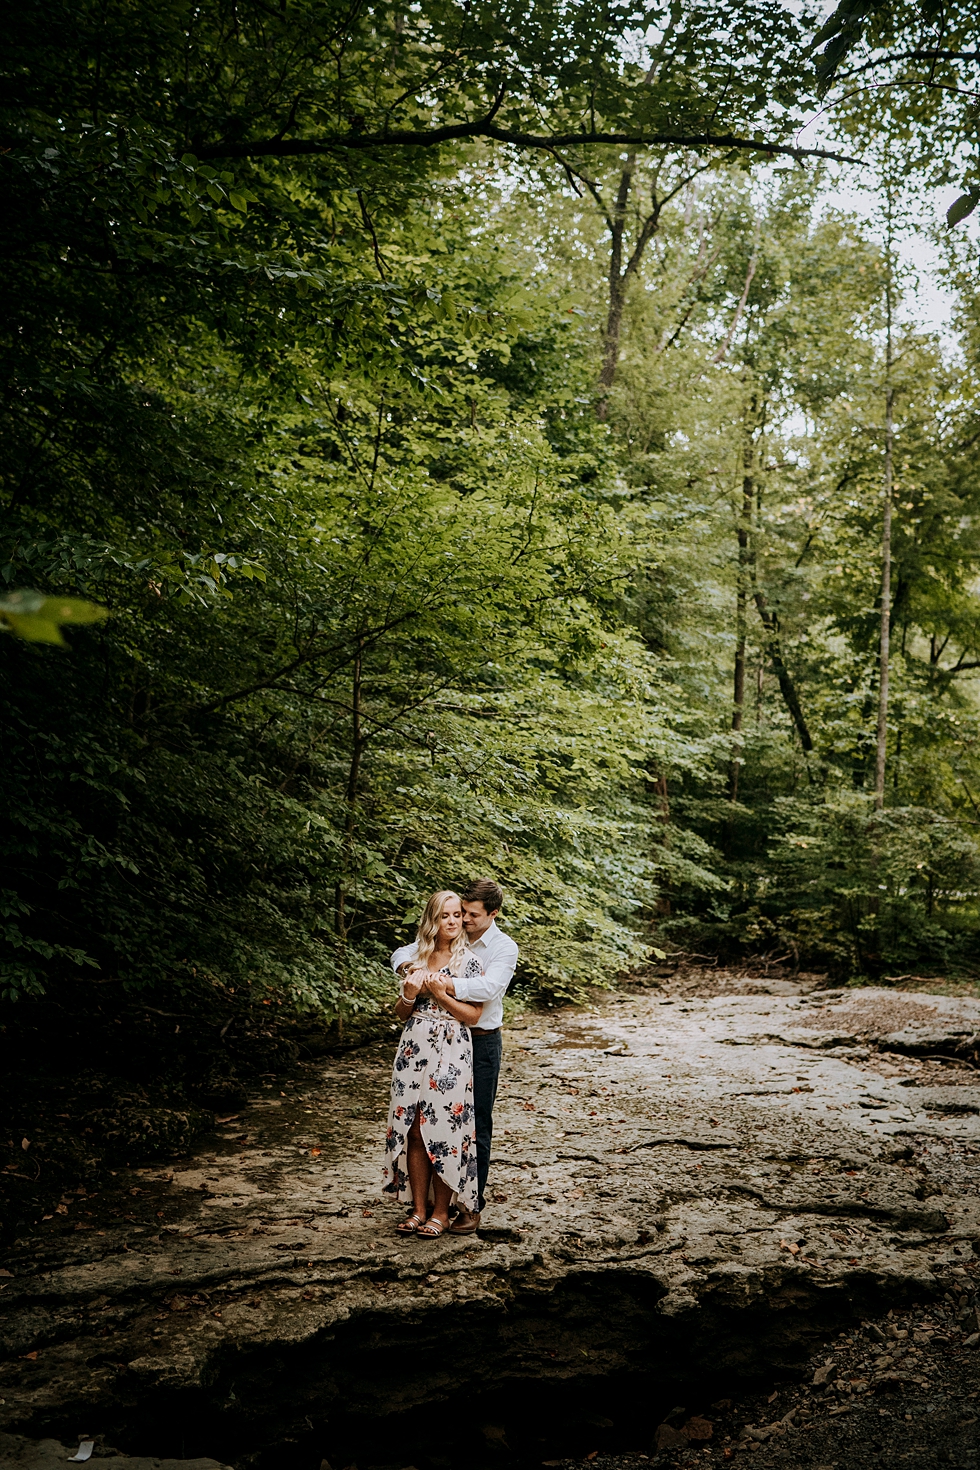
{"points": [[720, 1153], [20, 1453]]}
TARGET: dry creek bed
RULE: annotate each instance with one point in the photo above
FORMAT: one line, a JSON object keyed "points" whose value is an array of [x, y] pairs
{"points": [[728, 1221]]}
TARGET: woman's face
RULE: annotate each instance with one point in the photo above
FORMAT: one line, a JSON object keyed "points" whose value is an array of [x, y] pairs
{"points": [[451, 922]]}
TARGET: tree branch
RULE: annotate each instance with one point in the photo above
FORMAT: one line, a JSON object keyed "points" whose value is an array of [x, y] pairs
{"points": [[485, 128], [785, 680], [722, 352], [589, 183], [926, 55], [369, 226]]}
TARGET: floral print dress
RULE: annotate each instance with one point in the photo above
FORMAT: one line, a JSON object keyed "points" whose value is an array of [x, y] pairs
{"points": [[433, 1072]]}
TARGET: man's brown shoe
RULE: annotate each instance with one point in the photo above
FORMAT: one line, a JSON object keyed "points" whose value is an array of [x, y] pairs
{"points": [[465, 1224]]}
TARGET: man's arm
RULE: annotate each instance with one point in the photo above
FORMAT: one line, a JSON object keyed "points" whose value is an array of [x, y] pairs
{"points": [[495, 979], [466, 1011], [407, 952]]}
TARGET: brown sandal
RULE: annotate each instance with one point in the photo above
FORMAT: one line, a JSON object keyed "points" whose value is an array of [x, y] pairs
{"points": [[407, 1227], [431, 1230]]}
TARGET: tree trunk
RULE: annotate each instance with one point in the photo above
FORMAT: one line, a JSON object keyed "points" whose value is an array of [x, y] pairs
{"points": [[773, 648], [884, 651], [661, 789], [738, 691], [743, 533], [617, 286], [625, 263], [787, 687], [610, 348], [722, 352], [350, 795], [663, 899]]}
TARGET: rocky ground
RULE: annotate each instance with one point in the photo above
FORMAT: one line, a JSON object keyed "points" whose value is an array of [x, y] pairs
{"points": [[704, 1194]]}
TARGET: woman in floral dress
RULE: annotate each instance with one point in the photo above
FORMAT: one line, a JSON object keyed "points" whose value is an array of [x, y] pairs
{"points": [[431, 1139]]}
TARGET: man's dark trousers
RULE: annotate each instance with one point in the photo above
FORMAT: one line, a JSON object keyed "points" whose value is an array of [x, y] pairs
{"points": [[487, 1050]]}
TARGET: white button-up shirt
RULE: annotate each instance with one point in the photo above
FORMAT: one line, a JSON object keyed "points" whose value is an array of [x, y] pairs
{"points": [[498, 955]]}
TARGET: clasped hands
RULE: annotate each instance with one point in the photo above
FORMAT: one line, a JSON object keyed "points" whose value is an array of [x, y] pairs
{"points": [[427, 982]]}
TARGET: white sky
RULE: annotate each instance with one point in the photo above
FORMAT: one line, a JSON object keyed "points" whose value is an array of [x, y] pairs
{"points": [[928, 301]]}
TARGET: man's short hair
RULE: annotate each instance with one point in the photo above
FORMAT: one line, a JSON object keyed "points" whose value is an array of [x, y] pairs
{"points": [[487, 892]]}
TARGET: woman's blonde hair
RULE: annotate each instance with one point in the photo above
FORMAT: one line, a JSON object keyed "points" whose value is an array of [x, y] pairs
{"points": [[428, 931]]}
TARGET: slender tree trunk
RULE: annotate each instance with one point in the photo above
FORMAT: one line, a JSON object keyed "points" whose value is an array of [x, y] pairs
{"points": [[884, 651], [738, 688], [771, 644], [663, 899], [350, 795], [625, 262], [661, 789], [738, 705], [722, 352], [611, 340], [884, 636], [743, 532], [784, 678], [617, 286]]}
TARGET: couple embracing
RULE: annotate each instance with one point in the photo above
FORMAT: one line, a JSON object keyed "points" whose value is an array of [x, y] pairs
{"points": [[444, 1081]]}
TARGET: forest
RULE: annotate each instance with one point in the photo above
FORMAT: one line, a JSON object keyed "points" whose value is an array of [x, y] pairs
{"points": [[460, 439]]}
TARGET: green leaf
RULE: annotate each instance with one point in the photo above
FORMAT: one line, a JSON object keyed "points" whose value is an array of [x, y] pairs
{"points": [[829, 28], [238, 201], [32, 629], [36, 618], [216, 192], [961, 208], [835, 53], [27, 602], [73, 610]]}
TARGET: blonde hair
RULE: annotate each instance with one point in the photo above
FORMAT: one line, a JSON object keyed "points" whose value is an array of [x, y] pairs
{"points": [[428, 932]]}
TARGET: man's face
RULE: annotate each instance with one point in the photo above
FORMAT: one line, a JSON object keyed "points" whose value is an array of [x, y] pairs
{"points": [[476, 920]]}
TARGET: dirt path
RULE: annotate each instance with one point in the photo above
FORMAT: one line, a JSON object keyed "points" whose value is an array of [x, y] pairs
{"points": [[699, 1186]]}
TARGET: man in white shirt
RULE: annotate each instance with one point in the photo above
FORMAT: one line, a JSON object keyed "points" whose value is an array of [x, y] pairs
{"points": [[498, 955]]}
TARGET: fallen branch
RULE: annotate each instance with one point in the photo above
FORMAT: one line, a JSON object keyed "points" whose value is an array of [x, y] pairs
{"points": [[925, 979]]}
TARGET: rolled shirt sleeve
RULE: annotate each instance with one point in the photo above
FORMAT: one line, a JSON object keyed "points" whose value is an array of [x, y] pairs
{"points": [[406, 952], [497, 975]]}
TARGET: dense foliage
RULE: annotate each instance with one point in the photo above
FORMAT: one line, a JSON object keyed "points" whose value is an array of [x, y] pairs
{"points": [[464, 511]]}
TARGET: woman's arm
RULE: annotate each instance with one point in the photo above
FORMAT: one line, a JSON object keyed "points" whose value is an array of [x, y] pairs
{"points": [[468, 1012], [411, 989]]}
